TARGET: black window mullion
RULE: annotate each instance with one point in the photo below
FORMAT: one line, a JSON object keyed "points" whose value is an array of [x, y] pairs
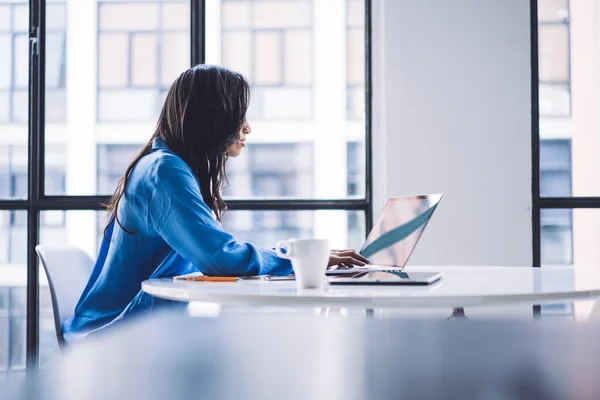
{"points": [[96, 203], [198, 32], [368, 115], [9, 205], [569, 202], [36, 169], [535, 137]]}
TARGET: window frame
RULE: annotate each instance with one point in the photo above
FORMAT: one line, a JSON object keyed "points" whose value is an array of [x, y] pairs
{"points": [[540, 202], [38, 201]]}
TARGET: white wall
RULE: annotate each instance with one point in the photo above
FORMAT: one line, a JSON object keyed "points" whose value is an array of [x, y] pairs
{"points": [[452, 112]]}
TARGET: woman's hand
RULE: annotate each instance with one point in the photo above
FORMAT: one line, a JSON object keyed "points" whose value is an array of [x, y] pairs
{"points": [[346, 258]]}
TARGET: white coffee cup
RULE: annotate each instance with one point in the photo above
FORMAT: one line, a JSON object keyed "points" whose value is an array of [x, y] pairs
{"points": [[309, 259]]}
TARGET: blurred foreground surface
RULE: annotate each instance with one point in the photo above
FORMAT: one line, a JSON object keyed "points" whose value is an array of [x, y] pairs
{"points": [[302, 357]]}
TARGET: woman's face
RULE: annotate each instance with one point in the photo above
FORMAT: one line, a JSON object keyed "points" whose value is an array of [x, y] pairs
{"points": [[235, 149]]}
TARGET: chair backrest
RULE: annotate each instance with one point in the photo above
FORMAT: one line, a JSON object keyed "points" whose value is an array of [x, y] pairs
{"points": [[68, 270]]}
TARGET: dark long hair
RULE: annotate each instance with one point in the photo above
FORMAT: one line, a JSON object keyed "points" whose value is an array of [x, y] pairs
{"points": [[203, 114]]}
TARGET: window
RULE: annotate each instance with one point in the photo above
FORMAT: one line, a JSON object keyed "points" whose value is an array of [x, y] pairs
{"points": [[568, 199], [356, 168], [271, 43], [555, 180], [56, 50], [555, 168], [123, 70], [113, 160], [557, 237], [555, 151], [13, 74], [554, 58], [14, 185], [138, 58], [12, 296], [355, 59], [14, 169], [14, 69], [106, 79]]}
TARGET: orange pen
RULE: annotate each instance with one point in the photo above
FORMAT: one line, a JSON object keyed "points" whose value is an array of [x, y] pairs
{"points": [[212, 278]]}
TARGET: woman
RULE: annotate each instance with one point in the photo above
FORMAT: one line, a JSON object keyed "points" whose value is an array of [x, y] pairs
{"points": [[165, 215]]}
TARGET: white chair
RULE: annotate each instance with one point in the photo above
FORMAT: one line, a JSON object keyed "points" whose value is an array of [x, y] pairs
{"points": [[68, 270]]}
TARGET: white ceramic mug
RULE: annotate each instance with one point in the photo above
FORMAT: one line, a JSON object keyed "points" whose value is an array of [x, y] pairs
{"points": [[309, 259]]}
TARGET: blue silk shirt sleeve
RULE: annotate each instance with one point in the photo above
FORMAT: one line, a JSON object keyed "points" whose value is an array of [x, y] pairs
{"points": [[178, 213]]}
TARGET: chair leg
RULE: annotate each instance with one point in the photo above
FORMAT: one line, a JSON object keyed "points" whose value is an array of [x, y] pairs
{"points": [[457, 313]]}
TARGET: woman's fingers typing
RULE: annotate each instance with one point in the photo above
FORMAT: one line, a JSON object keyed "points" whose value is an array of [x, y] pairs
{"points": [[347, 258]]}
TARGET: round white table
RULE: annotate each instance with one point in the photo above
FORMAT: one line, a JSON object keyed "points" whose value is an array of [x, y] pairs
{"points": [[459, 287]]}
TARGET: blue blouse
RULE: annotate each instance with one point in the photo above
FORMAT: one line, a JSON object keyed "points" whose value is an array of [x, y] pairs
{"points": [[173, 233]]}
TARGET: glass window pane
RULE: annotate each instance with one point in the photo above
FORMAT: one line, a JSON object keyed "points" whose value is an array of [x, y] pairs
{"points": [[55, 60], [555, 100], [13, 170], [355, 57], [570, 238], [275, 44], [13, 289], [356, 102], [355, 60], [55, 159], [268, 58], [237, 52], [282, 14], [14, 83], [175, 56], [128, 105], [356, 168], [235, 14], [20, 21], [553, 10], [556, 237], [175, 15], [555, 168], [355, 12], [5, 18], [141, 47], [20, 106], [5, 66], [126, 16], [298, 58], [143, 59], [553, 53], [56, 98], [21, 61], [4, 107], [272, 170], [565, 140], [266, 228], [285, 103], [56, 101], [113, 160], [56, 17], [113, 55]]}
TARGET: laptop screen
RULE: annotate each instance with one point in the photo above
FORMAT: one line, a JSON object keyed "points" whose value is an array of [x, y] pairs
{"points": [[398, 229]]}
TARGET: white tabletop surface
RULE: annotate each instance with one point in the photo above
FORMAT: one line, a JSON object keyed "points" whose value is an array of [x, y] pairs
{"points": [[460, 287]]}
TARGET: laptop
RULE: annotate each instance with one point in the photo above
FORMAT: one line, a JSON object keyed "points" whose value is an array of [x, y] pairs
{"points": [[395, 235]]}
